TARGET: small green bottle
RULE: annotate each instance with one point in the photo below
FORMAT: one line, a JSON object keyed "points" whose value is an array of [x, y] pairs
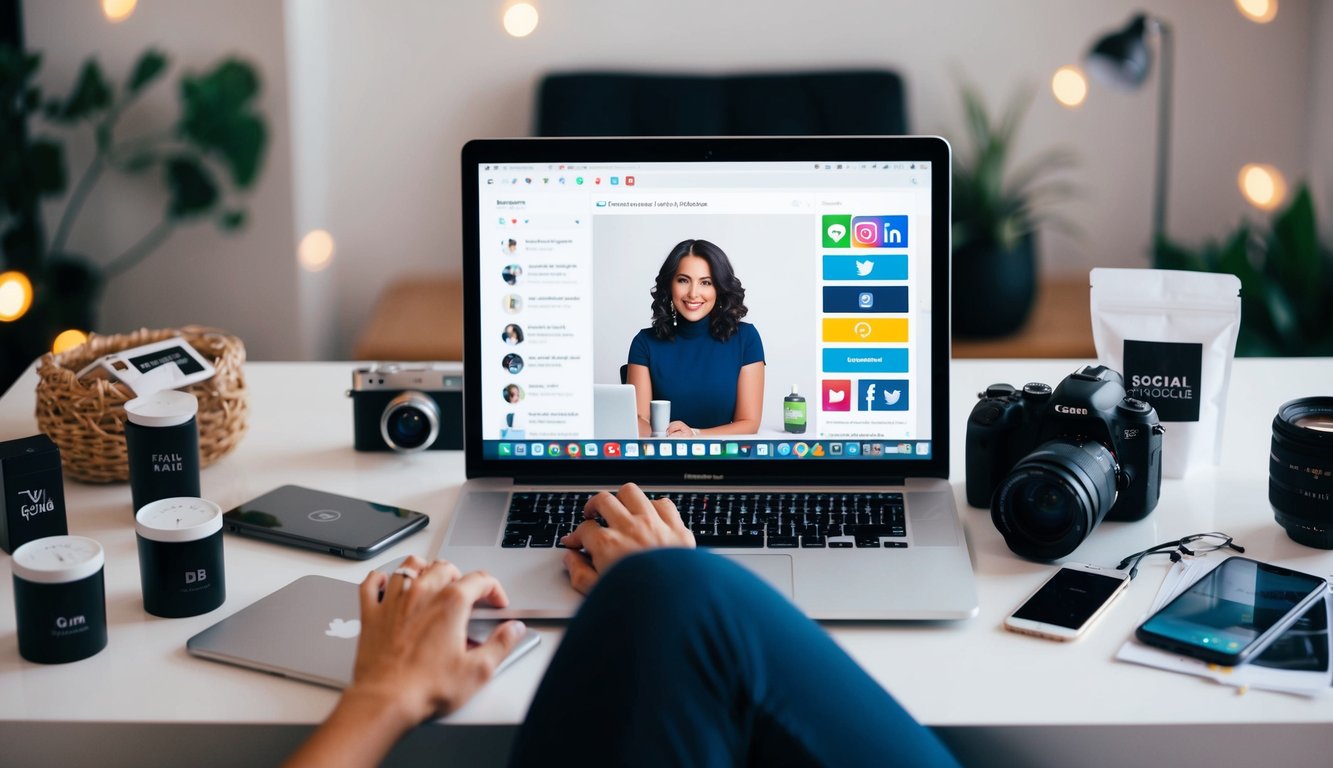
{"points": [[793, 412]]}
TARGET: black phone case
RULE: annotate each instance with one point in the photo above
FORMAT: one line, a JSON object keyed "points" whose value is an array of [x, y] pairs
{"points": [[297, 516]]}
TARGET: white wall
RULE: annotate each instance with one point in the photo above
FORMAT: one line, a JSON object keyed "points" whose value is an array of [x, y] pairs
{"points": [[386, 93]]}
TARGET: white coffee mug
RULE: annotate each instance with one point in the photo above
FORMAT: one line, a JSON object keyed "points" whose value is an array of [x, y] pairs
{"points": [[659, 416]]}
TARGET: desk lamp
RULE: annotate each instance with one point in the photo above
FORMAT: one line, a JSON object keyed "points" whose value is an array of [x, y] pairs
{"points": [[1122, 59]]}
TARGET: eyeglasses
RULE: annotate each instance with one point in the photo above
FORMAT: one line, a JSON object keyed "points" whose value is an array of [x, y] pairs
{"points": [[1191, 546]]}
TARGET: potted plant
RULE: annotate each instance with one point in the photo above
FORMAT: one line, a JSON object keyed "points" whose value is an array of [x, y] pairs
{"points": [[1286, 280], [213, 151], [996, 214]]}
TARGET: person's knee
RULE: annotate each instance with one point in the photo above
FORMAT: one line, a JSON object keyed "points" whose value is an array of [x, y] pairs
{"points": [[658, 583]]}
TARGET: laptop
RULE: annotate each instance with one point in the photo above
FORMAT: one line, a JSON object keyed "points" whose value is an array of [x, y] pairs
{"points": [[614, 414], [307, 631], [838, 493]]}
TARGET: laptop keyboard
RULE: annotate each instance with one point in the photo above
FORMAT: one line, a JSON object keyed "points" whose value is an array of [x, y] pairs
{"points": [[733, 520]]}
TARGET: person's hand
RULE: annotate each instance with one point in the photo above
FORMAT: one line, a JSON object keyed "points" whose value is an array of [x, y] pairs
{"points": [[680, 429], [413, 650], [634, 522]]}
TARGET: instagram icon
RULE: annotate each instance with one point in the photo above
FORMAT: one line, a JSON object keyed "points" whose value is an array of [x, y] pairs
{"points": [[879, 232]]}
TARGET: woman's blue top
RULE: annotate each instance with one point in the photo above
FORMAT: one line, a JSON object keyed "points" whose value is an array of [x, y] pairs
{"points": [[695, 371]]}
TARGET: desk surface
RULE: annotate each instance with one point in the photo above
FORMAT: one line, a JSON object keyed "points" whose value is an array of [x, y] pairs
{"points": [[969, 673]]}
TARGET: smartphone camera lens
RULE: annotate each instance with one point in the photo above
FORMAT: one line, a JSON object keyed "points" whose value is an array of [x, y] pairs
{"points": [[1300, 470], [1054, 497], [411, 422]]}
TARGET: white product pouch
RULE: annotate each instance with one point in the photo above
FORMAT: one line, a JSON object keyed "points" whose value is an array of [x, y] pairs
{"points": [[1172, 334]]}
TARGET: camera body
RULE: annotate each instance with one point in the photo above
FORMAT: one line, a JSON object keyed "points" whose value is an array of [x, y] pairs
{"points": [[1052, 465], [407, 407]]}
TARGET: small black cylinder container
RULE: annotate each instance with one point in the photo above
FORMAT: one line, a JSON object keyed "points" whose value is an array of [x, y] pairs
{"points": [[162, 438], [60, 599], [180, 556]]}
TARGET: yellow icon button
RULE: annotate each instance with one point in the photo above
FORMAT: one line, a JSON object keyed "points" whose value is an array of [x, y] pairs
{"points": [[866, 329]]}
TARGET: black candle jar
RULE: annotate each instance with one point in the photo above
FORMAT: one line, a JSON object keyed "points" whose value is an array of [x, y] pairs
{"points": [[60, 599], [180, 556]]}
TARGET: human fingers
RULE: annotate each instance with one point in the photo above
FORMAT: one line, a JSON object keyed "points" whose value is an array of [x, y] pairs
{"points": [[611, 509], [585, 533], [479, 587], [670, 516], [582, 576], [371, 589], [499, 643], [634, 500]]}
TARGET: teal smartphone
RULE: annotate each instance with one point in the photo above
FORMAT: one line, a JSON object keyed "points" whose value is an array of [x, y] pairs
{"points": [[1233, 612]]}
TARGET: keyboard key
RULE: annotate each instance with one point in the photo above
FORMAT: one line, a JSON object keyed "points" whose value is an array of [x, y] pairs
{"points": [[728, 542]]}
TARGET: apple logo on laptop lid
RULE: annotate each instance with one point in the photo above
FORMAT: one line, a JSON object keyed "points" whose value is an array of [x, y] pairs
{"points": [[344, 629]]}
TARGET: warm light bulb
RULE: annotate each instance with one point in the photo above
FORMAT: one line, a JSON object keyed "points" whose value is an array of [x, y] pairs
{"points": [[1263, 186], [118, 10], [1258, 11], [1069, 86], [316, 250], [15, 296], [520, 19], [68, 340]]}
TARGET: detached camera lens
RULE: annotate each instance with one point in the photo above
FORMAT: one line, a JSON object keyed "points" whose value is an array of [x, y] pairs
{"points": [[1300, 470], [1054, 497], [411, 422]]}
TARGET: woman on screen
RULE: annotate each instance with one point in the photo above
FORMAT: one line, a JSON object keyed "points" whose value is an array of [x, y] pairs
{"points": [[698, 354]]}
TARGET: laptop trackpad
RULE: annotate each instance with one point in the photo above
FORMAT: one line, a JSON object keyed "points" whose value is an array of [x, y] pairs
{"points": [[775, 569]]}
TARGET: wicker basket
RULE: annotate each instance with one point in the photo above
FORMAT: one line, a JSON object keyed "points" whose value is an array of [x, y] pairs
{"points": [[86, 419]]}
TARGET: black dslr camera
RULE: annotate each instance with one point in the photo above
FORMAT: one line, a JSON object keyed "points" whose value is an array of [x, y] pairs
{"points": [[407, 407], [1051, 466]]}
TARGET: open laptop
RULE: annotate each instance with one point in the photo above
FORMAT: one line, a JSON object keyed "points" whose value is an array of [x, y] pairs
{"points": [[307, 631], [842, 247]]}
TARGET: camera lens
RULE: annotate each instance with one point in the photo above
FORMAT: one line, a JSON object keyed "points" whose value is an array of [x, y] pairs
{"points": [[1054, 497], [411, 422], [1300, 470]]}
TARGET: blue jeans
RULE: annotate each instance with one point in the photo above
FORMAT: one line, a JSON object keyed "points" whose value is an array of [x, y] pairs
{"points": [[683, 658]]}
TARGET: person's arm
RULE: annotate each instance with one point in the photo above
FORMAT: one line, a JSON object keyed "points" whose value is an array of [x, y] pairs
{"points": [[633, 523], [643, 395], [412, 661]]}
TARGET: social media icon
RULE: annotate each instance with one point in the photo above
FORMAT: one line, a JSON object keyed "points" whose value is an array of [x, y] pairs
{"points": [[506, 449], [590, 449], [615, 181], [864, 268], [784, 449], [863, 329], [612, 450], [629, 181], [865, 300], [837, 394], [578, 180], [883, 395], [879, 232], [834, 230]]}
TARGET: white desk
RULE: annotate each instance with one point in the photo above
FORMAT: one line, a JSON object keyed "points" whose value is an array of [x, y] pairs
{"points": [[996, 697]]}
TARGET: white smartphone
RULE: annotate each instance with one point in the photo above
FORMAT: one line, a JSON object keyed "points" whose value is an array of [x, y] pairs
{"points": [[1069, 602]]}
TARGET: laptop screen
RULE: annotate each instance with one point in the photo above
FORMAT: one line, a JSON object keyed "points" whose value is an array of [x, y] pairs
{"points": [[707, 307]]}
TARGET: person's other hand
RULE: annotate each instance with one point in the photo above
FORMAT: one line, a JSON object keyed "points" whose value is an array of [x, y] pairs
{"points": [[413, 653], [633, 523], [679, 429]]}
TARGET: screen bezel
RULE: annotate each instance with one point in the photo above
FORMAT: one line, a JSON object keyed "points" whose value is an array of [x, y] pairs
{"points": [[877, 471]]}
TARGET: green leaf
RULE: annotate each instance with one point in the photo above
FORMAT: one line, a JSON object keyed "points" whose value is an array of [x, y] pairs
{"points": [[91, 95], [150, 66], [219, 118], [1295, 247], [231, 221], [193, 190], [46, 164]]}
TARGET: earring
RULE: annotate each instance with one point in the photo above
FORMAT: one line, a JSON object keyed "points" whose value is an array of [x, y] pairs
{"points": [[673, 315]]}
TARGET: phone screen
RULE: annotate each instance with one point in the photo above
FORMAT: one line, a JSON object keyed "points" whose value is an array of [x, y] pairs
{"points": [[1069, 598], [1227, 614]]}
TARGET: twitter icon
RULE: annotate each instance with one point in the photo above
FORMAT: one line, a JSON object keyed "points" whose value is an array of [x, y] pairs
{"points": [[882, 395], [871, 266]]}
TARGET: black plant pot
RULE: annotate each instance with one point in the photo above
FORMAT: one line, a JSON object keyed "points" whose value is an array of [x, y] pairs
{"points": [[993, 289]]}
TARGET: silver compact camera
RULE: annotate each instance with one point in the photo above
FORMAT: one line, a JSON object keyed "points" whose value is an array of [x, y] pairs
{"points": [[407, 407]]}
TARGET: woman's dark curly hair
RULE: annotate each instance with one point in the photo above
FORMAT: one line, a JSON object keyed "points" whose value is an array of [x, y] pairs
{"points": [[730, 305]]}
